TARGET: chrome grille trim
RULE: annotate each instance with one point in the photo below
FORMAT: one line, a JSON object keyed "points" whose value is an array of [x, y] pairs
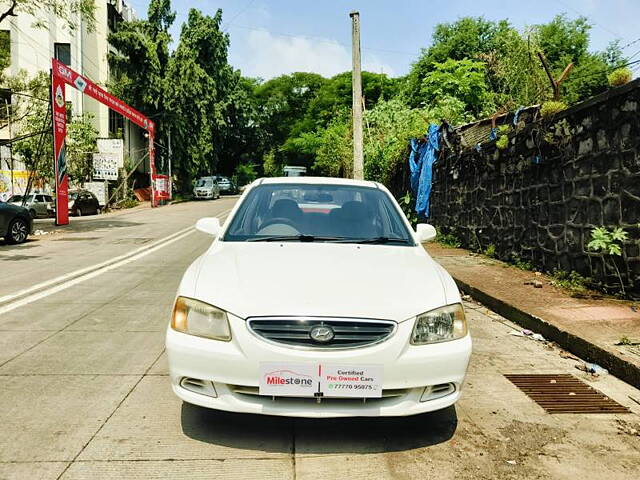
{"points": [[255, 392], [293, 331]]}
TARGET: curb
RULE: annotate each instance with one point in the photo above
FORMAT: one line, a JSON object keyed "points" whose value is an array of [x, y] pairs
{"points": [[580, 347]]}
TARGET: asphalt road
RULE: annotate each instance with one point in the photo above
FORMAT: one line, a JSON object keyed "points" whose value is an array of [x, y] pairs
{"points": [[84, 391]]}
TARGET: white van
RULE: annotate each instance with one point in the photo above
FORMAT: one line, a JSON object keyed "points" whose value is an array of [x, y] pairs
{"points": [[291, 171]]}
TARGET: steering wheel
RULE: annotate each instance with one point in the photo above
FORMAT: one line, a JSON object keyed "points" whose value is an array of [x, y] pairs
{"points": [[280, 220]]}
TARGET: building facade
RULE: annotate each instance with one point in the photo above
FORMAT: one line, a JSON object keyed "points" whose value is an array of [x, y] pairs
{"points": [[85, 51]]}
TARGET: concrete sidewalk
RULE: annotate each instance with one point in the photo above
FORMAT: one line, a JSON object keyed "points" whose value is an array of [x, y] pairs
{"points": [[588, 328]]}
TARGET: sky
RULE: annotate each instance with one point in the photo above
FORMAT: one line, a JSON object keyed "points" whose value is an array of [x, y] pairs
{"points": [[275, 37]]}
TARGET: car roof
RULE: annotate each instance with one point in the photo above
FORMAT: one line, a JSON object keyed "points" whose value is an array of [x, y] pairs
{"points": [[317, 181]]}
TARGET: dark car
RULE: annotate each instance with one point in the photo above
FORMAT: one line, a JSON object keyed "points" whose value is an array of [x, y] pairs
{"points": [[83, 202], [15, 223]]}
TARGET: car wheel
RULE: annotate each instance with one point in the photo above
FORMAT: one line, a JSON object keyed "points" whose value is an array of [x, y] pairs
{"points": [[18, 231], [79, 212], [32, 212]]}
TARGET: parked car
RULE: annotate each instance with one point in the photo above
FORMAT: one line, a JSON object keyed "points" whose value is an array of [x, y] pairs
{"points": [[316, 299], [16, 223], [206, 188], [38, 204], [83, 202], [226, 185]]}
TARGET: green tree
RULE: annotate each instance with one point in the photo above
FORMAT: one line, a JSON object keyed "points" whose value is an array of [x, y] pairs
{"points": [[80, 145], [467, 38], [67, 10], [461, 79], [283, 103], [198, 95], [563, 40], [139, 59], [31, 115]]}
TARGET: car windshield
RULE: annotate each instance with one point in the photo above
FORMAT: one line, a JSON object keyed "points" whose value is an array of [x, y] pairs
{"points": [[223, 180], [204, 182], [309, 212]]}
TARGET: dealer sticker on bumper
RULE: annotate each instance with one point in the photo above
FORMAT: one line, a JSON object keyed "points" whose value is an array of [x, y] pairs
{"points": [[320, 380]]}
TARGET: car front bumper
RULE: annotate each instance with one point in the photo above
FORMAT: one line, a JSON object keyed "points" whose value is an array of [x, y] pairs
{"points": [[203, 194], [413, 380]]}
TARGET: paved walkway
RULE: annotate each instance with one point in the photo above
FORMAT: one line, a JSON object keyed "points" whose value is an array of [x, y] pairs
{"points": [[590, 328]]}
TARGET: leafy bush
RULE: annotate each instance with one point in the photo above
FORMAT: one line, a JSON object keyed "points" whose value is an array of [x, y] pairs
{"points": [[127, 203], [448, 240], [550, 108], [245, 173], [490, 251], [502, 142], [518, 262], [621, 76], [572, 281]]}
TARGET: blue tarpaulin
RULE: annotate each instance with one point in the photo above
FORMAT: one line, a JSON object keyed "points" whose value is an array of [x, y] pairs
{"points": [[421, 162]]}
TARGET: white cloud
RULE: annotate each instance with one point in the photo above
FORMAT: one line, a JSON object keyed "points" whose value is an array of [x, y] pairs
{"points": [[271, 55]]}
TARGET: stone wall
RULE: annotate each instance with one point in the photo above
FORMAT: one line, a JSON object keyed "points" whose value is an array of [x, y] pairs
{"points": [[539, 199]]}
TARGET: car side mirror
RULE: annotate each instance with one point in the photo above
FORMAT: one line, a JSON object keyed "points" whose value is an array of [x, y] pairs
{"points": [[425, 232], [210, 225]]}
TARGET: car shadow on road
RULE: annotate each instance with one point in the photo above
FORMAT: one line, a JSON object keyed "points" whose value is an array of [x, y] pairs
{"points": [[7, 247], [318, 436]]}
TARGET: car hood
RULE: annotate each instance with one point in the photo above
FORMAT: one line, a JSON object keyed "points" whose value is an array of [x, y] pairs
{"points": [[16, 207], [317, 279]]}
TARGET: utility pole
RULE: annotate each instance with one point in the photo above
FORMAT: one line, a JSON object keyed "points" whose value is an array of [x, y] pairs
{"points": [[356, 81]]}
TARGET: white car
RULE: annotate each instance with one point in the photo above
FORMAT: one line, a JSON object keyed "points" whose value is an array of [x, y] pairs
{"points": [[316, 299], [206, 188]]}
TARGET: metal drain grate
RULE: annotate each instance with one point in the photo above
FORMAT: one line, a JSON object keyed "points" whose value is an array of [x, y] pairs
{"points": [[565, 394]]}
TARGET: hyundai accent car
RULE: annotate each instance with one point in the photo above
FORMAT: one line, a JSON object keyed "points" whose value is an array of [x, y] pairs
{"points": [[316, 299]]}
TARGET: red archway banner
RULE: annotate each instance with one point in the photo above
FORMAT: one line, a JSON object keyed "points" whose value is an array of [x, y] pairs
{"points": [[61, 75]]}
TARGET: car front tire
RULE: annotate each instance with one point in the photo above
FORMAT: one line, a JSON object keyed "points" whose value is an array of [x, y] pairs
{"points": [[18, 231]]}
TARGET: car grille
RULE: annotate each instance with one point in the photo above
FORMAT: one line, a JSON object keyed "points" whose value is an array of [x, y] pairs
{"points": [[254, 392], [296, 331]]}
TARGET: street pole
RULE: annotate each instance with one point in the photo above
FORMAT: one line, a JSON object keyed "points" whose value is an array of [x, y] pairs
{"points": [[10, 146], [356, 81], [170, 178]]}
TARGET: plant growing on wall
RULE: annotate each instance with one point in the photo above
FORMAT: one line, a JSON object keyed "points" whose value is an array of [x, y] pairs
{"points": [[407, 202], [609, 242], [621, 76], [550, 108]]}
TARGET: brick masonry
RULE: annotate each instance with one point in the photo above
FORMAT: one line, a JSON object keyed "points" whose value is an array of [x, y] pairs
{"points": [[539, 198]]}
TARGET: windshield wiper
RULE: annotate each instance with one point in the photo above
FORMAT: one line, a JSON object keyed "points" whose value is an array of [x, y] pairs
{"points": [[293, 238], [379, 240]]}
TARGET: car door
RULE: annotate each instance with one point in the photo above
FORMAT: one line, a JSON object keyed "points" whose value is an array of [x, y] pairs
{"points": [[5, 218], [83, 203], [93, 200], [41, 206]]}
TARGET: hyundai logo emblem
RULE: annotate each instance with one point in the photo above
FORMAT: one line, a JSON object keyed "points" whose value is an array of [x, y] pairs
{"points": [[321, 333]]}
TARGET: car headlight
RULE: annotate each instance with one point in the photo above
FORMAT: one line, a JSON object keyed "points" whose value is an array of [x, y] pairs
{"points": [[440, 325], [200, 319]]}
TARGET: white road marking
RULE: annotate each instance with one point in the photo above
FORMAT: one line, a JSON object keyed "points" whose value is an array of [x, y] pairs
{"points": [[92, 274], [73, 278]]}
